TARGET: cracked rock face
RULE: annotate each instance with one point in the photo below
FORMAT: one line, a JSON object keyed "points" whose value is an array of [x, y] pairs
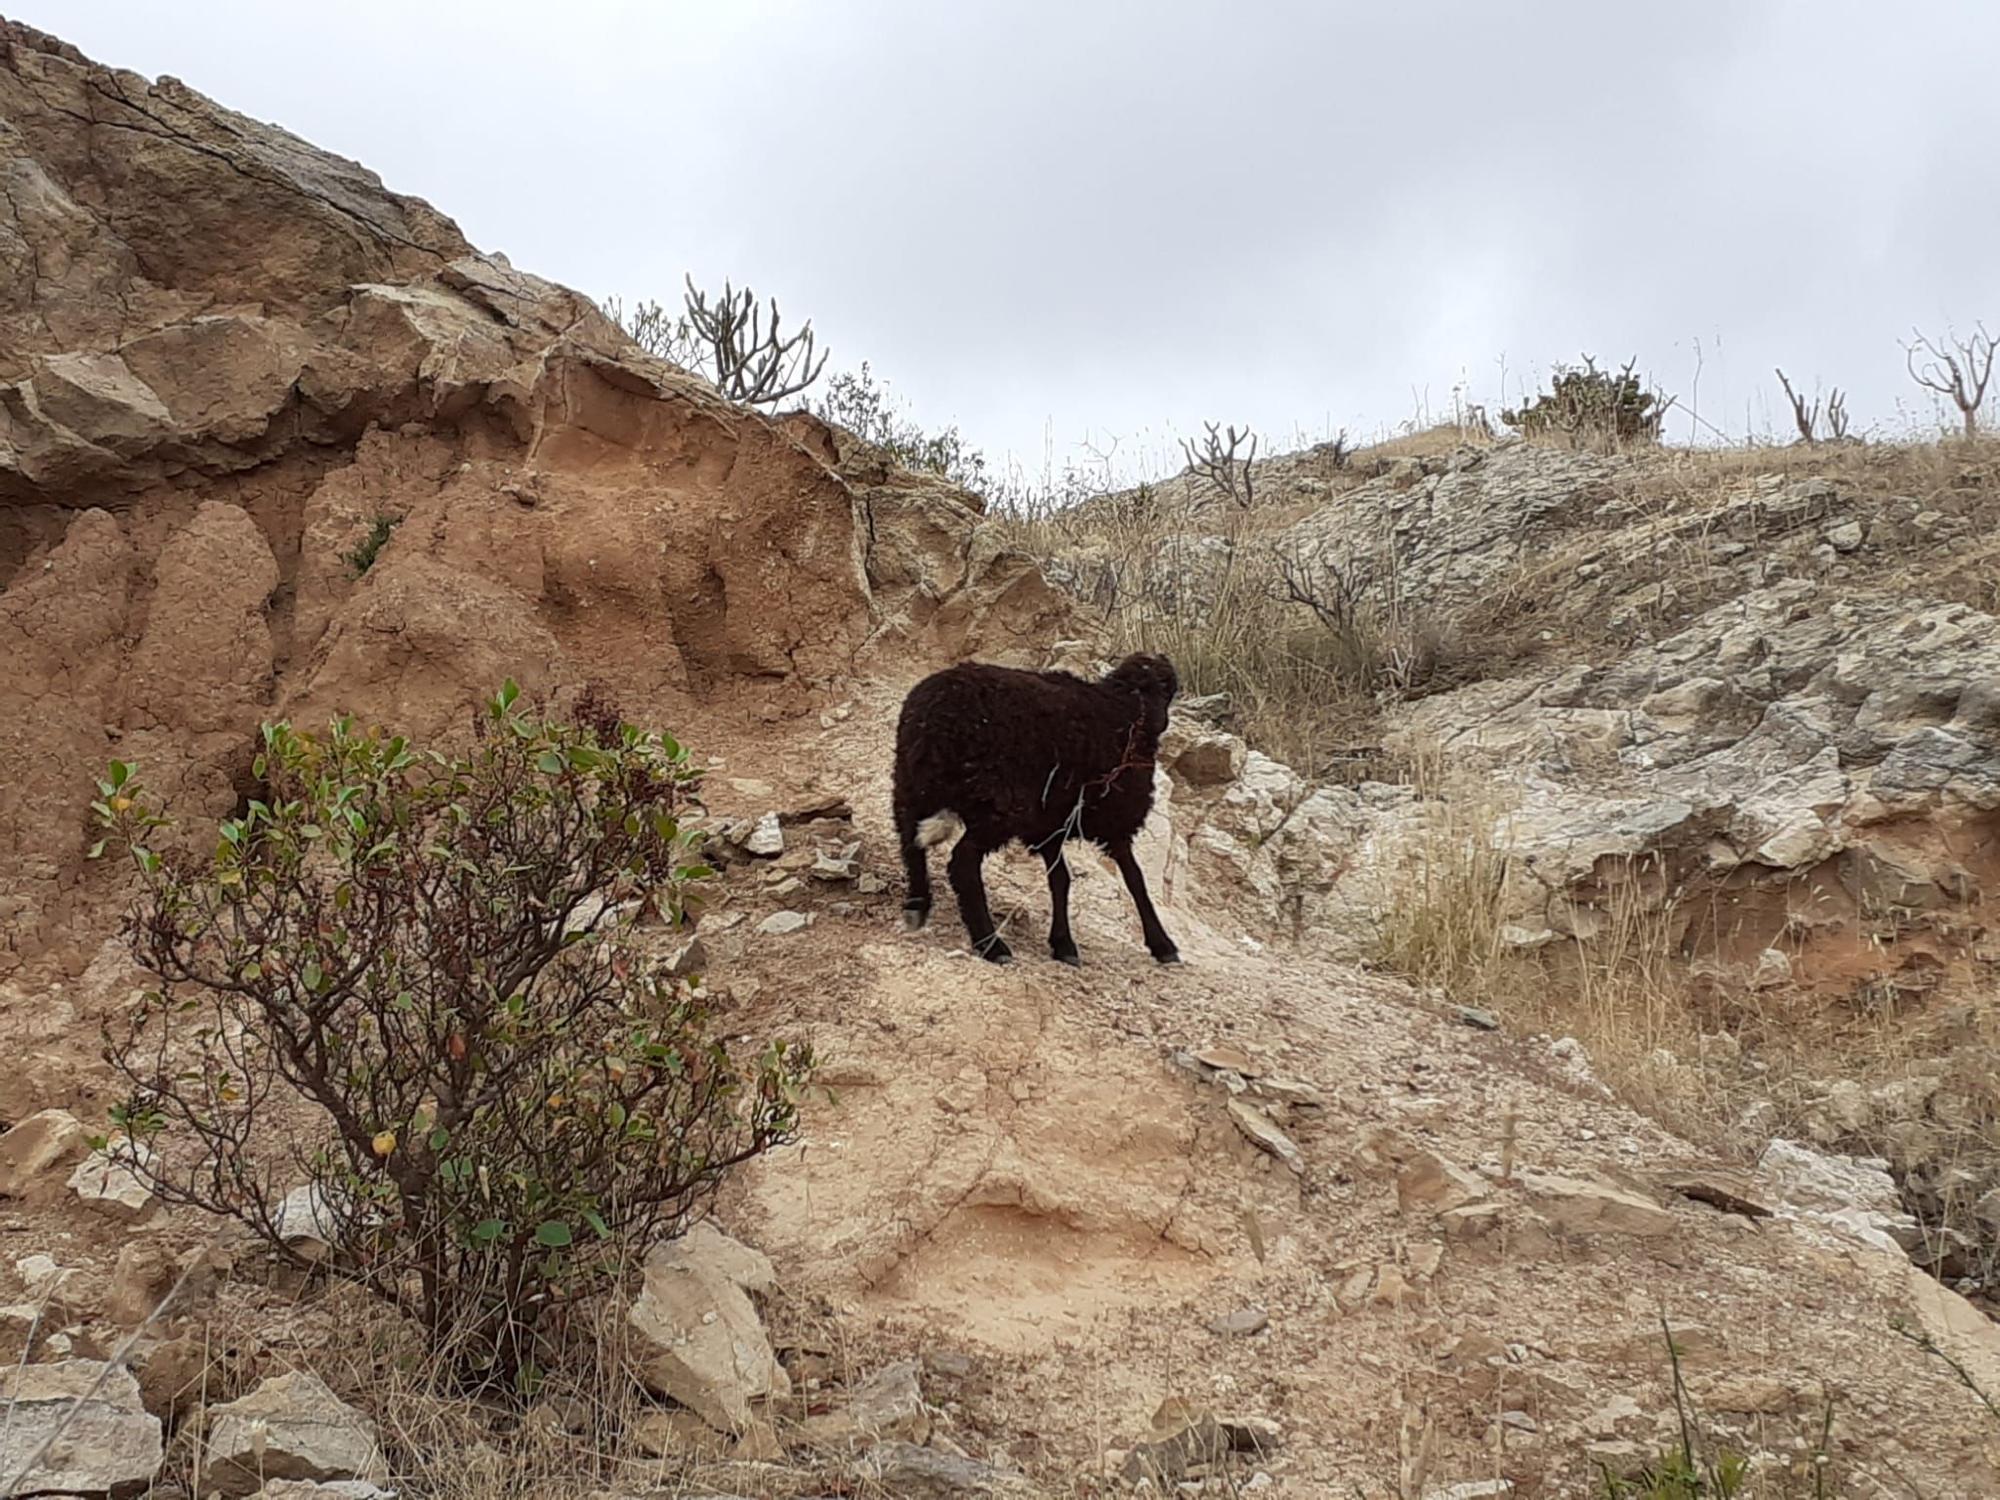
{"points": [[227, 357], [1795, 736], [87, 1423]]}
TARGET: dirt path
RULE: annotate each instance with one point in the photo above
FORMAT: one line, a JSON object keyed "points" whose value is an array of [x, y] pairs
{"points": [[1025, 1165]]}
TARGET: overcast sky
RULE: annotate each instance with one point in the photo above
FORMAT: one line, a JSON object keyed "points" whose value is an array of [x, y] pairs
{"points": [[1080, 218]]}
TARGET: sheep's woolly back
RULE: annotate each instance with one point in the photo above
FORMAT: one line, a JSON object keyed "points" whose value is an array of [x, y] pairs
{"points": [[1033, 756]]}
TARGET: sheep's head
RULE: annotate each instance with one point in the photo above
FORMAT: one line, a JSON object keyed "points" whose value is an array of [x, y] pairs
{"points": [[1153, 678]]}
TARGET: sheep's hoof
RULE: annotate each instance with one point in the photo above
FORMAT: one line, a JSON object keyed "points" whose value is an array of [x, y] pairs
{"points": [[1072, 958], [995, 951], [1171, 956], [914, 918]]}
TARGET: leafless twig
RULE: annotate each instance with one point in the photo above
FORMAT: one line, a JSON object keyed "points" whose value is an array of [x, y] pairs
{"points": [[1216, 460], [1804, 417], [1932, 1347], [1957, 369]]}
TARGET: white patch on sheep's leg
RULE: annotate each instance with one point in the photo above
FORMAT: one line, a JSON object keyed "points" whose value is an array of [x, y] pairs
{"points": [[937, 828]]}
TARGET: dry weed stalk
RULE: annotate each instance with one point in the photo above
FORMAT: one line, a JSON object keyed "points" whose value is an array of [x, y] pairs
{"points": [[1806, 417], [1416, 1452]]}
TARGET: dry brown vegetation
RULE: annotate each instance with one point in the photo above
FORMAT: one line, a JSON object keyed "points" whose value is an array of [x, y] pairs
{"points": [[1304, 654], [1175, 567], [1666, 1027]]}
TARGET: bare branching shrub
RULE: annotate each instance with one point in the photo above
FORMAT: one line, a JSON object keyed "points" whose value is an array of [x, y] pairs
{"points": [[658, 330], [1806, 417], [1168, 573], [403, 1011], [728, 340], [1216, 461], [857, 402], [1589, 407], [1957, 369], [1338, 454], [1379, 645]]}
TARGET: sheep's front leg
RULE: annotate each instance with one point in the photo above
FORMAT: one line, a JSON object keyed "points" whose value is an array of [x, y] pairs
{"points": [[1157, 942], [970, 890], [1061, 945]]}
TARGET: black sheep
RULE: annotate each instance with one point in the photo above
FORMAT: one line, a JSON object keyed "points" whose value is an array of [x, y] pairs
{"points": [[1043, 757]]}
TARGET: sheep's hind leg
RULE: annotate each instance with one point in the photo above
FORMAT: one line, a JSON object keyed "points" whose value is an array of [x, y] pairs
{"points": [[917, 869], [970, 889], [1061, 945], [1157, 942]]}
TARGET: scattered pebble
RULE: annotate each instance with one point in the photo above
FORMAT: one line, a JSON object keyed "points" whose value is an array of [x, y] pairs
{"points": [[767, 838], [1241, 1323]]}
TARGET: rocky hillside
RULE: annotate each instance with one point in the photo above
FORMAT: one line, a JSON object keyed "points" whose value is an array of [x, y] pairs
{"points": [[228, 356], [274, 441], [1697, 751], [1780, 688]]}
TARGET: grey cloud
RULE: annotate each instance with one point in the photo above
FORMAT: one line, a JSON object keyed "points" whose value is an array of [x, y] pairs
{"points": [[1125, 218]]}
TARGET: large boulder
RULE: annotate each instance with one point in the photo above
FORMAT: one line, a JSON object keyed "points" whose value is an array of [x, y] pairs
{"points": [[99, 1437], [698, 1338], [290, 1427]]}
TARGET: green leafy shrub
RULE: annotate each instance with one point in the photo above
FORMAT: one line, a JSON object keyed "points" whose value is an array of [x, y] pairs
{"points": [[1680, 1476], [1593, 407], [364, 553], [411, 981]]}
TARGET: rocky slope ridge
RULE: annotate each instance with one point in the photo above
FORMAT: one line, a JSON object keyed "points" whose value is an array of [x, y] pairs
{"points": [[1775, 685], [1058, 1227], [227, 354], [1735, 710]]}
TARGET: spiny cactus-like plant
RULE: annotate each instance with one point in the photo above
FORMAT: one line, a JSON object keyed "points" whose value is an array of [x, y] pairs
{"points": [[1589, 407], [728, 340]]}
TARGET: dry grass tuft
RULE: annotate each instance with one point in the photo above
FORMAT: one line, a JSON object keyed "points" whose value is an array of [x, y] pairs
{"points": [[1175, 567], [1680, 1034], [1625, 994]]}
